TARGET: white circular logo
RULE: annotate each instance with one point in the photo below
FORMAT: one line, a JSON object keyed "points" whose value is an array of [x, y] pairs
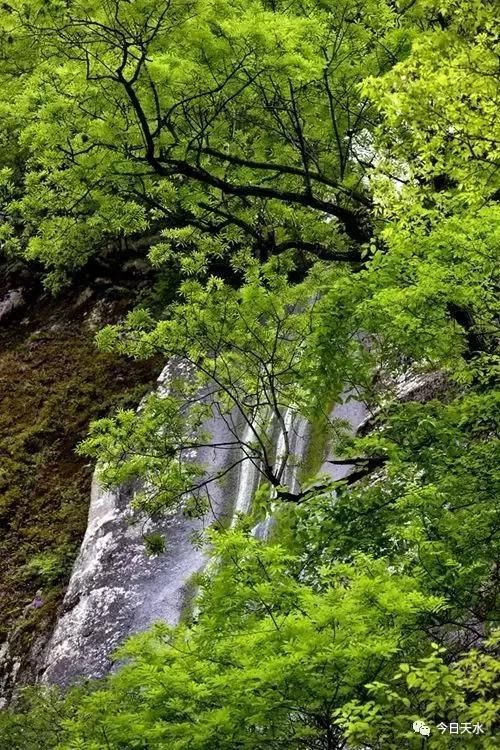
{"points": [[422, 728]]}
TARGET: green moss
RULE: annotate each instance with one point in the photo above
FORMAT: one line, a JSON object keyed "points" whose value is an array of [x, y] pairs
{"points": [[317, 446], [51, 566], [53, 381]]}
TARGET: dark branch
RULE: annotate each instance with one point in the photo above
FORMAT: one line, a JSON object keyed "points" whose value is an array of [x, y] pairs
{"points": [[349, 219], [285, 169]]}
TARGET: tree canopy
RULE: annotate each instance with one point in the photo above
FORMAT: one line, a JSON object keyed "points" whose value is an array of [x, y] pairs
{"points": [[325, 178], [223, 125]]}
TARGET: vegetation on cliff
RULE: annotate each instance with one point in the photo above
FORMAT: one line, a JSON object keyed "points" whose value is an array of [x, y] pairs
{"points": [[324, 178], [52, 382]]}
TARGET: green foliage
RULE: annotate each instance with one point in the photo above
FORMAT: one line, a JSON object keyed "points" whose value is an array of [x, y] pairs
{"points": [[228, 126], [49, 567], [463, 694], [237, 131], [268, 664], [439, 133], [154, 543], [251, 348], [433, 513], [276, 658], [147, 448]]}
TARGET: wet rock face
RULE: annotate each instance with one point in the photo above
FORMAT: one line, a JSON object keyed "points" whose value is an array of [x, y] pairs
{"points": [[9, 672], [9, 302], [97, 606], [419, 387], [353, 413], [116, 590]]}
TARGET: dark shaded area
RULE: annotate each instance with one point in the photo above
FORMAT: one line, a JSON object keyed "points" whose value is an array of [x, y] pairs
{"points": [[53, 381]]}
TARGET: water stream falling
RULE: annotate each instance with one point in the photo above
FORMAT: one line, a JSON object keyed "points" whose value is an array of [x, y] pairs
{"points": [[295, 428], [248, 479], [116, 590]]}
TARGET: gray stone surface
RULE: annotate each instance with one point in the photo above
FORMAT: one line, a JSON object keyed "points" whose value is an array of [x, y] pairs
{"points": [[10, 302], [116, 590]]}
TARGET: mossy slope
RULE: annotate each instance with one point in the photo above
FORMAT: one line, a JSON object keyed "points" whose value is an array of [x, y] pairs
{"points": [[53, 381]]}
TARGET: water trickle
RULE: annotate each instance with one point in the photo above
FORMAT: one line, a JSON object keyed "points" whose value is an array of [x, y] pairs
{"points": [[295, 428], [249, 475], [116, 590]]}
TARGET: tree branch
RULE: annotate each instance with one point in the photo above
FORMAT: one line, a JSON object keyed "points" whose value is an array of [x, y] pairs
{"points": [[286, 169]]}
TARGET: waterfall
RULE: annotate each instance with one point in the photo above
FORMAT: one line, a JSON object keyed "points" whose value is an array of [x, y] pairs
{"points": [[350, 411], [296, 428], [248, 479], [116, 590]]}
